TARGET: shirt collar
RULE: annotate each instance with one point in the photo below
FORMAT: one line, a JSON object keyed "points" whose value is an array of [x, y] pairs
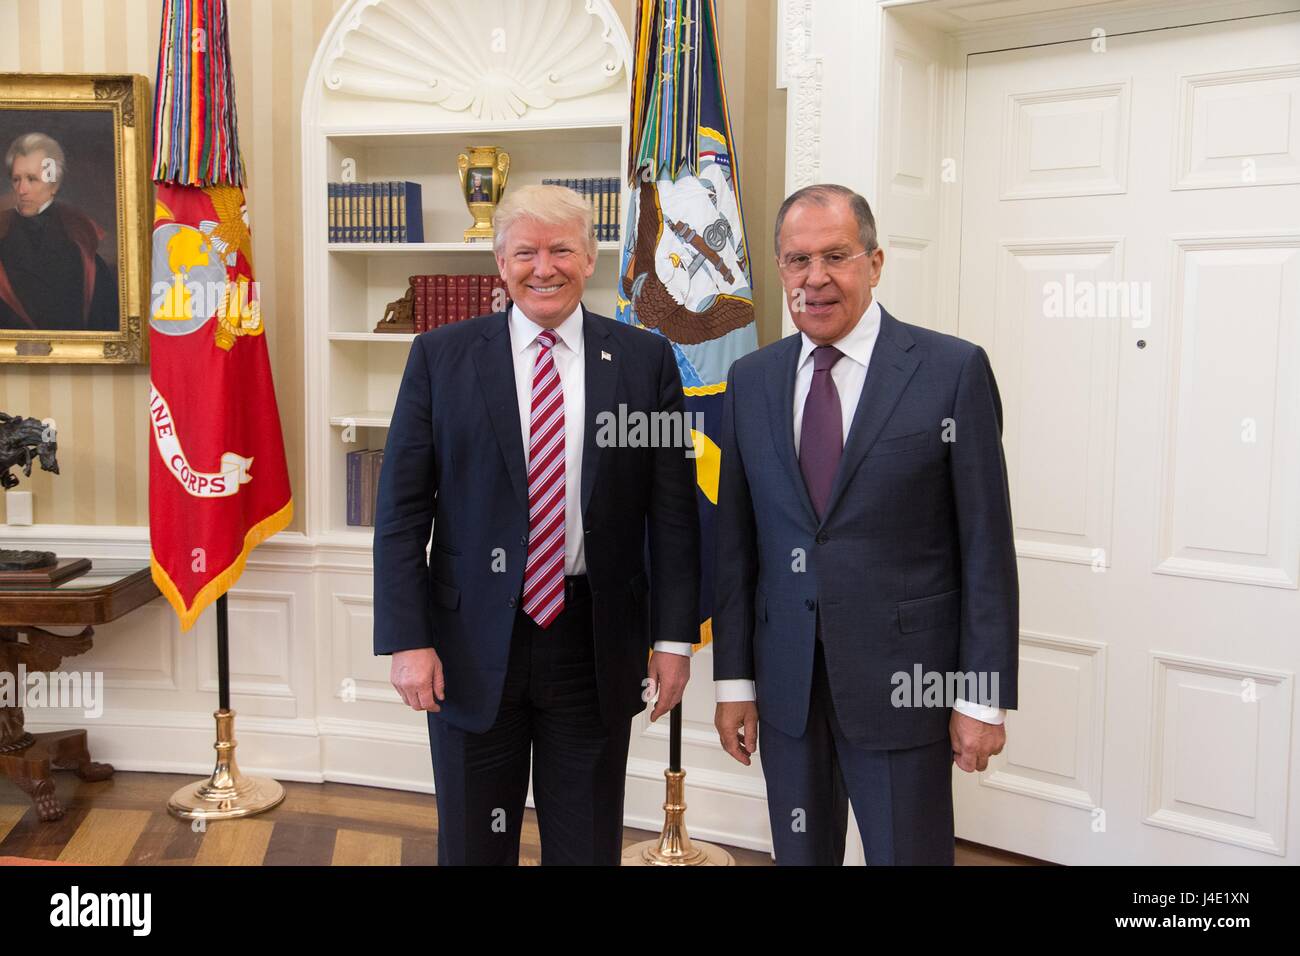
{"points": [[524, 331], [857, 344]]}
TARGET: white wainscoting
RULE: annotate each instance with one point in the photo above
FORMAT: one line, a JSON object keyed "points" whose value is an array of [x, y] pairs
{"points": [[313, 702]]}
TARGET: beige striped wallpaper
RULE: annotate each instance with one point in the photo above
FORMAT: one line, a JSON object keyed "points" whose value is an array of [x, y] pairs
{"points": [[101, 411]]}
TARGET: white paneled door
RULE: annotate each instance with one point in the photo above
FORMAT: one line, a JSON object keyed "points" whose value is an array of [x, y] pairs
{"points": [[1130, 258]]}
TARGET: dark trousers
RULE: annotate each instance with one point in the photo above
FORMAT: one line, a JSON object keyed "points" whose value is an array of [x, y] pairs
{"points": [[549, 706], [902, 799]]}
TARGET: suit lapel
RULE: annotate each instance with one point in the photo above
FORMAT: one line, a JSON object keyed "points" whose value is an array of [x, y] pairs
{"points": [[601, 357], [888, 373], [496, 375], [780, 398]]}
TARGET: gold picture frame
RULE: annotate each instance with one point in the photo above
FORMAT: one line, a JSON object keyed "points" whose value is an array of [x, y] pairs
{"points": [[79, 223]]}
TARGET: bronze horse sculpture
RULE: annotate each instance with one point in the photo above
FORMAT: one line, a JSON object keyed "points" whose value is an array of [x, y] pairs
{"points": [[23, 440]]}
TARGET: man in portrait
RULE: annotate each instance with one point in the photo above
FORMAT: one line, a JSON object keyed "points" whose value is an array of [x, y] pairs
{"points": [[52, 277], [479, 188]]}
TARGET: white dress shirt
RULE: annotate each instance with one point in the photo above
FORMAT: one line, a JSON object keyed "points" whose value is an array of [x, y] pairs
{"points": [[849, 375], [568, 358], [567, 354]]}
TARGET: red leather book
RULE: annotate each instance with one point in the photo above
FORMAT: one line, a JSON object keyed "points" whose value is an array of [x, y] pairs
{"points": [[461, 312], [440, 301], [425, 311]]}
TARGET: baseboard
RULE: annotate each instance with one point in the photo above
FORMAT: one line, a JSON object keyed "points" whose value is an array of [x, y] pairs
{"points": [[722, 808]]}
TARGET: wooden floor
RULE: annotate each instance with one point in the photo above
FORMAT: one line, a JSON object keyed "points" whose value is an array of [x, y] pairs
{"points": [[124, 821]]}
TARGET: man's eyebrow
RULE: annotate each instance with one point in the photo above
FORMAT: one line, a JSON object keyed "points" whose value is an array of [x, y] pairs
{"points": [[843, 247], [804, 251]]}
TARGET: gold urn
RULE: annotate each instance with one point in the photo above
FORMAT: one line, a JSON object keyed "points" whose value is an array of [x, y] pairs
{"points": [[483, 174]]}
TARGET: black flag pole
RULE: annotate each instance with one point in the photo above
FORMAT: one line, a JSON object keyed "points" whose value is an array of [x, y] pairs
{"points": [[673, 846], [228, 794], [223, 655], [675, 739]]}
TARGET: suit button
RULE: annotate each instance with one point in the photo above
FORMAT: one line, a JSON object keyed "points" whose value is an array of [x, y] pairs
{"points": [[810, 604], [523, 539], [510, 603], [822, 537]]}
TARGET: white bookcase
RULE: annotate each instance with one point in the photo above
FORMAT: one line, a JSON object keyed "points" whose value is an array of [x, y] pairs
{"points": [[398, 89]]}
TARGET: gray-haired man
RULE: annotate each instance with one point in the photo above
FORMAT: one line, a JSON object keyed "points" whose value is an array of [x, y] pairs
{"points": [[864, 543]]}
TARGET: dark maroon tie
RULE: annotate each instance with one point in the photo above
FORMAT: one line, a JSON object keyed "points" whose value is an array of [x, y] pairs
{"points": [[821, 436]]}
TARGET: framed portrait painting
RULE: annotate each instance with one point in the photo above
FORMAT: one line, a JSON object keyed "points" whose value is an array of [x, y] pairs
{"points": [[75, 212]]}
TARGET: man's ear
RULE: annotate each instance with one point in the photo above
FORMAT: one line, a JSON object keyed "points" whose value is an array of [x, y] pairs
{"points": [[877, 265]]}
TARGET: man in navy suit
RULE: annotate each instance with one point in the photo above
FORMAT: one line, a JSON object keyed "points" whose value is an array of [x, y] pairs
{"points": [[866, 606], [529, 626]]}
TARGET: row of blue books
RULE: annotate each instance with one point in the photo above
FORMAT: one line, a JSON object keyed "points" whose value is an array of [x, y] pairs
{"points": [[363, 485], [376, 212], [604, 195]]}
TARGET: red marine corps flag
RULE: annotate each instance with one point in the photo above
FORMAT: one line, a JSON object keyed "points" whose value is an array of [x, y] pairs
{"points": [[218, 484]]}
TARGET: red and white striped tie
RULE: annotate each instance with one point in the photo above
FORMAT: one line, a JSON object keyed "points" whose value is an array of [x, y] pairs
{"points": [[544, 572]]}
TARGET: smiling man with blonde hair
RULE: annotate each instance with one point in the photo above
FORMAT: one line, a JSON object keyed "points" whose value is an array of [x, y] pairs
{"points": [[525, 634]]}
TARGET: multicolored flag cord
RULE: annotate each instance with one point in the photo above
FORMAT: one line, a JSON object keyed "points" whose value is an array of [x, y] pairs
{"points": [[196, 134], [684, 271], [218, 479]]}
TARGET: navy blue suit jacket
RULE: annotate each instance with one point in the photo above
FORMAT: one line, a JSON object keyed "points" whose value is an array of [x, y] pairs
{"points": [[914, 562], [454, 464]]}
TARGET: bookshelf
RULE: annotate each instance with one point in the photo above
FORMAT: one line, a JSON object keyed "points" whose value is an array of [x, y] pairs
{"points": [[392, 95]]}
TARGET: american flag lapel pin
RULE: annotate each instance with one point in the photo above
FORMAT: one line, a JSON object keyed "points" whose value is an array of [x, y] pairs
{"points": [[606, 357]]}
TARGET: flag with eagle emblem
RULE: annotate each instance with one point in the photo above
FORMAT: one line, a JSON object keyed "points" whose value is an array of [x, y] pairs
{"points": [[218, 482], [684, 271]]}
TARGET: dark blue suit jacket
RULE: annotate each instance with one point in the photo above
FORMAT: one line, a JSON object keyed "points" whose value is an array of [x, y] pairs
{"points": [[914, 562], [454, 463]]}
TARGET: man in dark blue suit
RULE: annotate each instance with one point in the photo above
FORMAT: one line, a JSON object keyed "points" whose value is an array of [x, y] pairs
{"points": [[527, 630], [866, 606]]}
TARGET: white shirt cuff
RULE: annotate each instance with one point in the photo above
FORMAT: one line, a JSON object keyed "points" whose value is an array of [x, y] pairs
{"points": [[733, 691], [673, 647], [989, 715]]}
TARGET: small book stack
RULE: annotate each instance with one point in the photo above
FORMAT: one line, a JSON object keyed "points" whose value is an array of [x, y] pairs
{"points": [[442, 299], [603, 194], [363, 485], [376, 212]]}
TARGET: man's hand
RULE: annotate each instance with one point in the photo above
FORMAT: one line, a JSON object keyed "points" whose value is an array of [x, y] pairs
{"points": [[417, 675], [974, 741], [670, 672], [737, 723]]}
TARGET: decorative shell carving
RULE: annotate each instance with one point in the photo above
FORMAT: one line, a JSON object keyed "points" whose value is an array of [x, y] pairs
{"points": [[494, 59]]}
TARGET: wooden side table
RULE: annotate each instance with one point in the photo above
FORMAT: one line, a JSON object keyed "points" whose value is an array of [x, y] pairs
{"points": [[109, 590]]}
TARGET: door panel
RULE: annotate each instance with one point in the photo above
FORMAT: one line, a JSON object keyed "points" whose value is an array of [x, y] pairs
{"points": [[1131, 260]]}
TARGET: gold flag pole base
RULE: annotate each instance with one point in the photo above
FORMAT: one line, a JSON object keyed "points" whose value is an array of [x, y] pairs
{"points": [[674, 847], [227, 794]]}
